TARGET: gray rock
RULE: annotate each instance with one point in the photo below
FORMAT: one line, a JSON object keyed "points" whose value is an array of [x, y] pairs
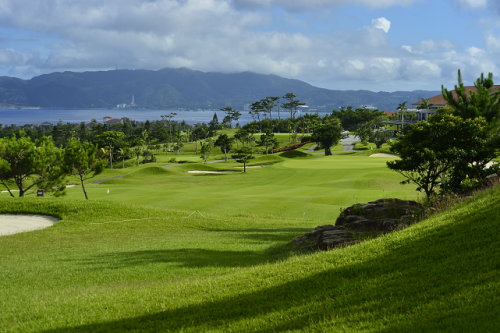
{"points": [[491, 180], [371, 219]]}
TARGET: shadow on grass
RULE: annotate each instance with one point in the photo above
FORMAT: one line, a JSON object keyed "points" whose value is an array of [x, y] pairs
{"points": [[295, 154], [189, 257], [444, 280], [209, 174], [182, 257], [265, 235], [346, 153]]}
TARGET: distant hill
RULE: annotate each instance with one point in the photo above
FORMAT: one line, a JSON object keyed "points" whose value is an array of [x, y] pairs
{"points": [[181, 88]]}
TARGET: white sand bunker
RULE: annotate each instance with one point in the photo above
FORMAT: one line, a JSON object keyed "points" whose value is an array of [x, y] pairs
{"points": [[250, 167], [12, 224], [384, 155], [199, 171]]}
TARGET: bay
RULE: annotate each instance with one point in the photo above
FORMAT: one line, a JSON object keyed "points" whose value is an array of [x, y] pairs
{"points": [[21, 117]]}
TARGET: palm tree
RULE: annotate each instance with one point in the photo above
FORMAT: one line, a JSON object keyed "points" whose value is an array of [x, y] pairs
{"points": [[105, 153], [425, 105], [178, 140], [137, 152], [401, 107], [122, 153], [145, 136]]}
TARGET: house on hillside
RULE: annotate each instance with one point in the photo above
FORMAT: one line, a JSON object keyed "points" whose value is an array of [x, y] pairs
{"points": [[388, 113], [114, 121], [438, 102], [109, 120], [45, 125], [415, 114]]}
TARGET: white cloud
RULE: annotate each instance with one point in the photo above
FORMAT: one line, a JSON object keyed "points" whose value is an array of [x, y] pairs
{"points": [[319, 4], [407, 48], [212, 35], [434, 46], [472, 3], [357, 64], [474, 51], [381, 23], [493, 43]]}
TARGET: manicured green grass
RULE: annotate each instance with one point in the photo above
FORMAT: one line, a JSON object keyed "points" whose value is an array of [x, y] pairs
{"points": [[160, 270], [317, 186], [167, 250], [368, 146], [335, 148]]}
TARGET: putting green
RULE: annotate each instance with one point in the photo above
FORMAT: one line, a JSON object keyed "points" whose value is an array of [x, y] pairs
{"points": [[318, 187]]}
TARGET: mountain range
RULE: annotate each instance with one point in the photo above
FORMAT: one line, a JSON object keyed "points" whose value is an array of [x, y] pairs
{"points": [[171, 88]]}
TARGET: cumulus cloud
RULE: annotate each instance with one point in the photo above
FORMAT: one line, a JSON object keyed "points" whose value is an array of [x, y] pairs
{"points": [[319, 4], [431, 45], [213, 35], [472, 3], [381, 23]]}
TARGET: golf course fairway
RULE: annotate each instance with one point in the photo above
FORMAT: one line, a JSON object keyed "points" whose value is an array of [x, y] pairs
{"points": [[171, 251]]}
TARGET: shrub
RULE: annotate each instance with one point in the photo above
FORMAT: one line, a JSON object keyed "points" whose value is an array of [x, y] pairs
{"points": [[288, 148], [149, 156], [305, 138]]}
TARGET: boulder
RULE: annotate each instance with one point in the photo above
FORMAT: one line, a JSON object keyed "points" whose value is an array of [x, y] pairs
{"points": [[325, 237], [379, 209], [491, 180], [360, 221]]}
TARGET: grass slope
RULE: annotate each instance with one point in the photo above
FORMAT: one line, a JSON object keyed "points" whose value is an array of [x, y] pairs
{"points": [[168, 272]]}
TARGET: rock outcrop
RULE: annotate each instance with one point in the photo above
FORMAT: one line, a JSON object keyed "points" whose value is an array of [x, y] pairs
{"points": [[491, 180], [359, 222]]}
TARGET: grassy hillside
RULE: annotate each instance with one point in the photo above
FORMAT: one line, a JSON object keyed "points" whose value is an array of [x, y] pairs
{"points": [[177, 252], [180, 87], [167, 272]]}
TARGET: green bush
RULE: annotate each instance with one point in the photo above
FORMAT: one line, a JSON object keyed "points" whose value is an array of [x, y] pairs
{"points": [[305, 138], [149, 156]]}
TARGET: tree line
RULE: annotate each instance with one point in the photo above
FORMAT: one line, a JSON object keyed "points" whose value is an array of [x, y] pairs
{"points": [[42, 158], [451, 153]]}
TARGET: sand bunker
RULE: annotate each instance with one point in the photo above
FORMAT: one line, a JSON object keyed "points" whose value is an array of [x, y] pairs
{"points": [[12, 224], [250, 167], [199, 171], [384, 155]]}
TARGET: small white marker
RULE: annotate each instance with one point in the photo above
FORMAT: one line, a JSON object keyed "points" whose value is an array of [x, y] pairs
{"points": [[108, 190]]}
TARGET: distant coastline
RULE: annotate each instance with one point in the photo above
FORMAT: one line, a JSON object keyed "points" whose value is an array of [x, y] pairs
{"points": [[38, 116]]}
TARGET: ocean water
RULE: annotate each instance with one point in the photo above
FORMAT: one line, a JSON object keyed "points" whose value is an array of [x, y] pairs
{"points": [[38, 116]]}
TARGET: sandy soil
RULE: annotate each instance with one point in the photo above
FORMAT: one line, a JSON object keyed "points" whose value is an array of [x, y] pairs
{"points": [[12, 224], [383, 155], [199, 171]]}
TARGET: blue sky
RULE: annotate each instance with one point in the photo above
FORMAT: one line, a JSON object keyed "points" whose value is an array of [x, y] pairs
{"points": [[378, 45]]}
